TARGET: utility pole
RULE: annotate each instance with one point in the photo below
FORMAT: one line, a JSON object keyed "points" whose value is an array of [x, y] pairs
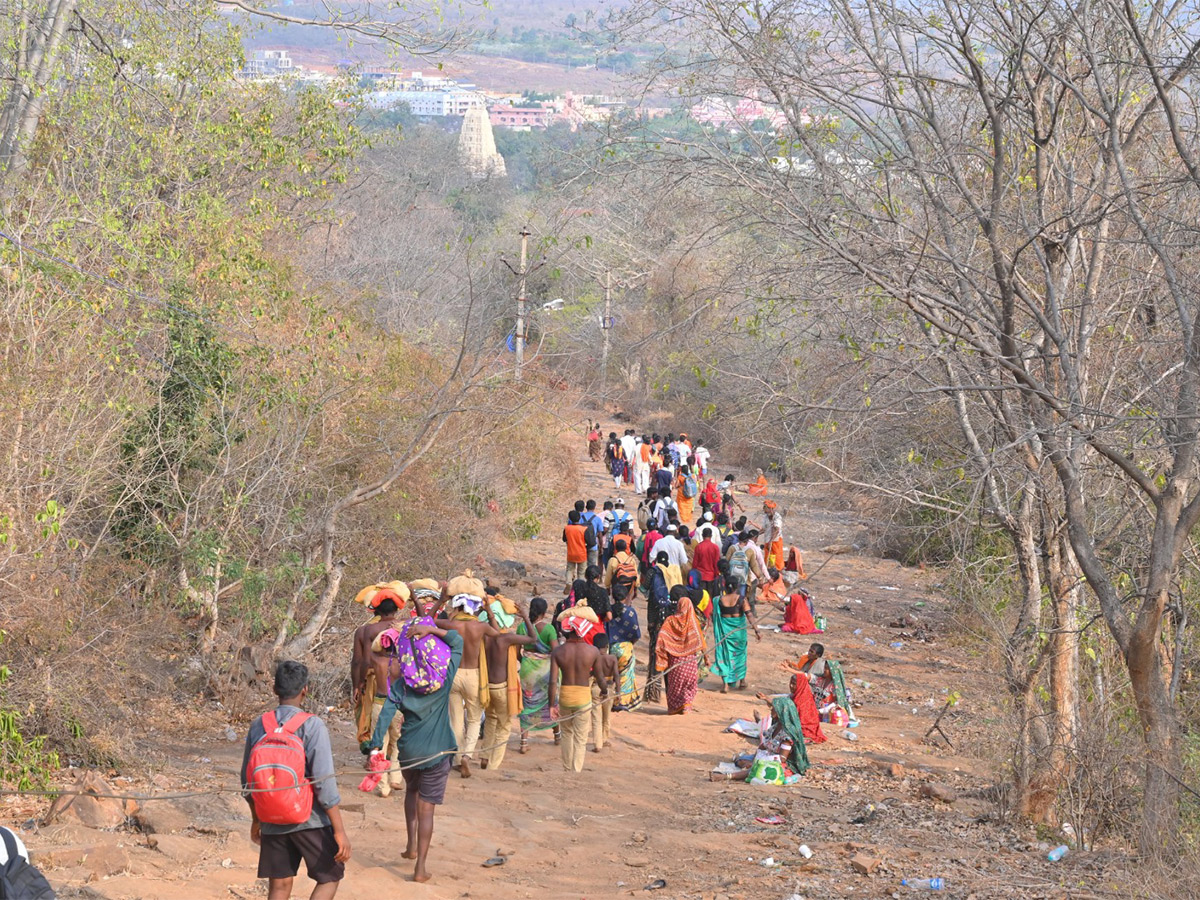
{"points": [[605, 327], [522, 272]]}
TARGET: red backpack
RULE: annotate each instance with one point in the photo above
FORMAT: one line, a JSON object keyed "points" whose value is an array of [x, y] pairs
{"points": [[275, 773]]}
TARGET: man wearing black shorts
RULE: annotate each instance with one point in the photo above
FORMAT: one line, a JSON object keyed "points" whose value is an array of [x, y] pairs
{"points": [[321, 840], [426, 747]]}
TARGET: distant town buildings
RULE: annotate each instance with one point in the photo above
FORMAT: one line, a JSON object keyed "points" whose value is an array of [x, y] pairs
{"points": [[269, 64], [737, 113], [477, 146], [432, 96], [520, 118]]}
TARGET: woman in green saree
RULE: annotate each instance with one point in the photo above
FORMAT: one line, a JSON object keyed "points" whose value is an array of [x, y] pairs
{"points": [[730, 620], [535, 673]]}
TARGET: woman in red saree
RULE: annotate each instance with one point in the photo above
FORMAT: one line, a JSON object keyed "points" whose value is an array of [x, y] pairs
{"points": [[810, 719], [679, 643], [798, 619]]}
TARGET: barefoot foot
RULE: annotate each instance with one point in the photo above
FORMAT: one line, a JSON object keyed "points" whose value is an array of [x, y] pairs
{"points": [[409, 854], [421, 877]]}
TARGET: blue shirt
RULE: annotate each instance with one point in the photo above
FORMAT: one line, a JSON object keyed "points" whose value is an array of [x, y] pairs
{"points": [[624, 625]]}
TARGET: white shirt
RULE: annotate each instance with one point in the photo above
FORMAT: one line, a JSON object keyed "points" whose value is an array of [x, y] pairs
{"points": [[661, 510], [21, 848], [629, 445], [774, 528], [702, 457], [673, 547]]}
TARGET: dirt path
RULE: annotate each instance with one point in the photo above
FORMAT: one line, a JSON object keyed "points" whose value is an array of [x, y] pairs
{"points": [[644, 809]]}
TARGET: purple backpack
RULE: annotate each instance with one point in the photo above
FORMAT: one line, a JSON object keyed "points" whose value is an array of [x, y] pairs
{"points": [[423, 662]]}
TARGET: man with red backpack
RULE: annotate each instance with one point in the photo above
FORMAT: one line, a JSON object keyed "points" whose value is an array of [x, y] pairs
{"points": [[288, 780]]}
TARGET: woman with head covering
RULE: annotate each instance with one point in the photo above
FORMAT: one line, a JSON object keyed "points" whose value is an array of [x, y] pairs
{"points": [[679, 643], [730, 620]]}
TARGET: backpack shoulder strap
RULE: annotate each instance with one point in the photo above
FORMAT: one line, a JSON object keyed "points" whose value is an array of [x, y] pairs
{"points": [[292, 725], [269, 722], [10, 846]]}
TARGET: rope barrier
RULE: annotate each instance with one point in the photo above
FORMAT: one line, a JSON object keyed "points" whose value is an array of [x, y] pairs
{"points": [[357, 773]]}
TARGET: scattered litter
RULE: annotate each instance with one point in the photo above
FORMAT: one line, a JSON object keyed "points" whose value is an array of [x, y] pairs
{"points": [[656, 885], [495, 861], [869, 642], [745, 728], [227, 863], [850, 735], [806, 851], [725, 768], [924, 884], [770, 820], [842, 588], [858, 631], [897, 645], [1058, 853], [888, 587], [769, 862]]}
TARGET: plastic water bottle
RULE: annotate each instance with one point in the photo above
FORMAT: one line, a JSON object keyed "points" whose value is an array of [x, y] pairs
{"points": [[896, 645], [850, 735], [1058, 853], [870, 643], [924, 884]]}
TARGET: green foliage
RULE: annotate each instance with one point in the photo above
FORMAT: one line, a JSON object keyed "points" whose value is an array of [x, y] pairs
{"points": [[527, 505], [25, 763], [183, 431]]}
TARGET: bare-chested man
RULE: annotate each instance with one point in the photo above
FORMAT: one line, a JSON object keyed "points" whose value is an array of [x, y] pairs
{"points": [[569, 705], [363, 678], [469, 693], [606, 666], [504, 682]]}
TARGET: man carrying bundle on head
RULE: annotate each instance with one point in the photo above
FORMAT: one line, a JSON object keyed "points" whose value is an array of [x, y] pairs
{"points": [[469, 693], [504, 673], [380, 670], [363, 680]]}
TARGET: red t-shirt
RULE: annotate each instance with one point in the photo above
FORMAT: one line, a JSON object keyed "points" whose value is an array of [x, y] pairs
{"points": [[705, 560]]}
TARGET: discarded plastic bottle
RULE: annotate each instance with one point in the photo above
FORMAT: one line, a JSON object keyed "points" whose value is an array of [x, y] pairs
{"points": [[924, 884], [1058, 853], [850, 735], [896, 645], [870, 643]]}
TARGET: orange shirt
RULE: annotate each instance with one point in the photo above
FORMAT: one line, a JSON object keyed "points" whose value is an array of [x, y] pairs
{"points": [[576, 538], [645, 451]]}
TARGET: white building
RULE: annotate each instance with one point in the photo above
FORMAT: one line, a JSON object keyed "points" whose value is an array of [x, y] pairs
{"points": [[268, 64]]}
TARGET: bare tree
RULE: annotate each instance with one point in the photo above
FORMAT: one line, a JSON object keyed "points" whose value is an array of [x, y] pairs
{"points": [[1011, 184]]}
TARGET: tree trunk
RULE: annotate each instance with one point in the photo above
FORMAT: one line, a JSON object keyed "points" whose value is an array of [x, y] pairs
{"points": [[39, 42], [1158, 835], [1064, 667]]}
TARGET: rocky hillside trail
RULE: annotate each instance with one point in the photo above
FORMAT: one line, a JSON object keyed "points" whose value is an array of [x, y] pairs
{"points": [[892, 804]]}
